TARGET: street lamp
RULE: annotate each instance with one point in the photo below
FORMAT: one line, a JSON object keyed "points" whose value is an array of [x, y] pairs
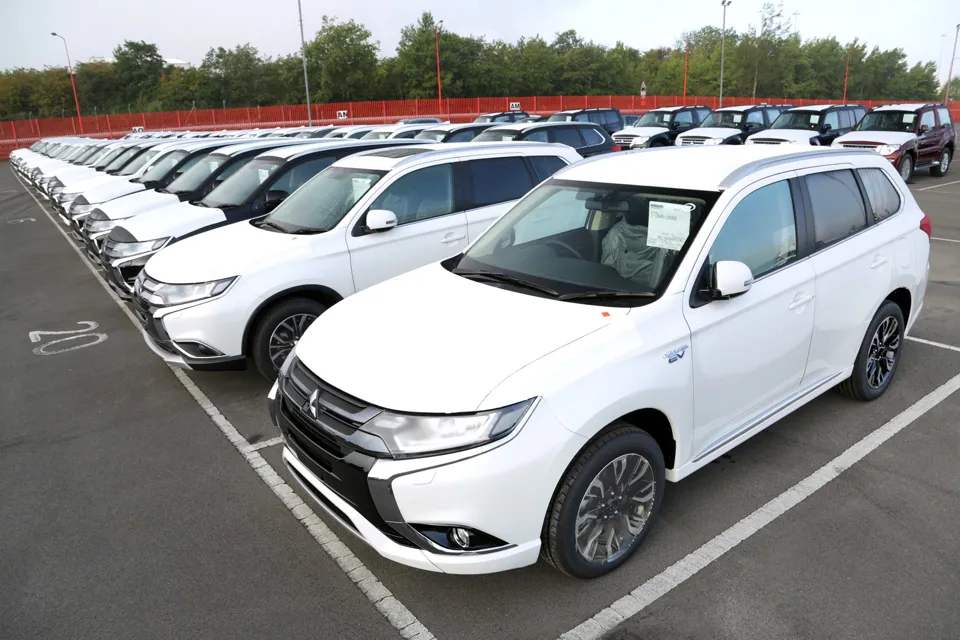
{"points": [[436, 33], [303, 54], [76, 100], [946, 97], [723, 42]]}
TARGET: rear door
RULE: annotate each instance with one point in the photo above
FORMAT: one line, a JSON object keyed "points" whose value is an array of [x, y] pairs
{"points": [[594, 142], [429, 228], [488, 187]]}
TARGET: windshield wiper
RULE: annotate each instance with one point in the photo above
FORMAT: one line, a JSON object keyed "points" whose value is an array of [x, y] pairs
{"points": [[269, 224], [600, 295], [502, 277]]}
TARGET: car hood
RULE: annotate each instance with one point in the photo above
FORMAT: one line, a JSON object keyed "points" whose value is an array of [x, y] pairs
{"points": [[879, 137], [137, 203], [106, 190], [174, 221], [430, 341], [793, 135], [72, 174], [231, 250], [641, 131], [720, 133]]}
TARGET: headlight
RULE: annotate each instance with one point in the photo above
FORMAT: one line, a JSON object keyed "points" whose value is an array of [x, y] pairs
{"points": [[888, 149], [81, 210], [96, 226], [712, 141], [172, 294], [126, 249], [639, 141], [415, 435]]}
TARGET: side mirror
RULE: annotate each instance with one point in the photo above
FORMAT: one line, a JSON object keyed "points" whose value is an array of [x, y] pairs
{"points": [[274, 197], [730, 279], [381, 220], [924, 128], [827, 127]]}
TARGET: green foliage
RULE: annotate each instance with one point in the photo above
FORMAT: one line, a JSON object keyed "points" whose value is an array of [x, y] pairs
{"points": [[344, 64]]}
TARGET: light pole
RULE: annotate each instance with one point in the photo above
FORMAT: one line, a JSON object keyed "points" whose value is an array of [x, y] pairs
{"points": [[846, 75], [436, 33], [723, 42], [795, 14], [76, 100], [946, 97], [303, 54], [943, 37]]}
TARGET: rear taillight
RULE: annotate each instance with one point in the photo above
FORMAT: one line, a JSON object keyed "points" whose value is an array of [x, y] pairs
{"points": [[926, 226], [616, 147]]}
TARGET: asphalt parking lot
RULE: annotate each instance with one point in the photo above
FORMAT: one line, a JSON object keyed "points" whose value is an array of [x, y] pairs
{"points": [[137, 502]]}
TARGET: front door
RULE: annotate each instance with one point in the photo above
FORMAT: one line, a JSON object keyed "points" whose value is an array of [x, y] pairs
{"points": [[749, 352], [428, 229], [928, 142]]}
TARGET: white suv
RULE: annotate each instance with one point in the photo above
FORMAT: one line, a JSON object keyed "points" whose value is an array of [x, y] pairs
{"points": [[252, 288], [623, 325]]}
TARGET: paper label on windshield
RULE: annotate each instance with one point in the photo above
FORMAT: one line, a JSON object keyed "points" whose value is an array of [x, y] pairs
{"points": [[815, 118], [669, 225], [908, 118], [737, 117]]}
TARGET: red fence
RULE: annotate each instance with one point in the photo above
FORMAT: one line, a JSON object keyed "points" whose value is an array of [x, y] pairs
{"points": [[20, 133]]}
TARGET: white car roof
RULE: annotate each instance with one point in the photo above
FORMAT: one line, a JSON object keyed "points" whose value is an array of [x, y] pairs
{"points": [[542, 124], [324, 144], [909, 106], [822, 107], [354, 127], [391, 158], [449, 126], [260, 143], [711, 168], [396, 128]]}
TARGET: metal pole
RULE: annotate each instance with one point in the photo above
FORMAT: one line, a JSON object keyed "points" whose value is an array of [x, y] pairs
{"points": [[723, 42], [436, 32], [846, 75], [686, 59], [946, 97], [303, 53], [76, 100]]}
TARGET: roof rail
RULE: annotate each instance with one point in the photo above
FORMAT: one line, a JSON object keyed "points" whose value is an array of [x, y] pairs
{"points": [[751, 167]]}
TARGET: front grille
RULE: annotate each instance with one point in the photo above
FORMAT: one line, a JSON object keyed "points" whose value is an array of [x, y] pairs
{"points": [[623, 139], [768, 141], [858, 145], [690, 141]]}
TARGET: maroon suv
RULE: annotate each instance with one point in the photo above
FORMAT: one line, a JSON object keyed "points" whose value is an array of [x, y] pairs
{"points": [[911, 136]]}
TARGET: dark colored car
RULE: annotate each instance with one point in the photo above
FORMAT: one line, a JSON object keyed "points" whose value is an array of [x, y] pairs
{"points": [[732, 125], [454, 132], [660, 127], [588, 139], [608, 118], [630, 119], [911, 136], [815, 124], [534, 118], [502, 116]]}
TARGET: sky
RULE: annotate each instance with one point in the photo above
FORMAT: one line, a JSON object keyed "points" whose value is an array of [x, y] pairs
{"points": [[186, 29]]}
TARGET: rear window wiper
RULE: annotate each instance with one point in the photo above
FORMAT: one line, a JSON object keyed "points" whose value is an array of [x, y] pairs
{"points": [[502, 277], [601, 295]]}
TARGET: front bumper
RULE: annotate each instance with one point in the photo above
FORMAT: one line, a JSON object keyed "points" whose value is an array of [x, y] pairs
{"points": [[502, 489]]}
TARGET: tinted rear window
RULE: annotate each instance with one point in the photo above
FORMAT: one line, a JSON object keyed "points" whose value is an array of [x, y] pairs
{"points": [[546, 166], [498, 180], [838, 210]]}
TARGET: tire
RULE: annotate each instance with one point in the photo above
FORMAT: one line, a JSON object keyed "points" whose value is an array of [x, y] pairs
{"points": [[906, 168], [626, 444], [863, 383], [945, 159], [298, 313]]}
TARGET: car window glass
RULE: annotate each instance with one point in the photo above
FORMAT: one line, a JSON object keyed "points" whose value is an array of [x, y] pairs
{"points": [[684, 117], [582, 117], [760, 232], [838, 210], [846, 118], [755, 116], [568, 136], [772, 114], [831, 118], [546, 166], [701, 114], [591, 136], [503, 118], [562, 211], [596, 117], [884, 199], [858, 115], [927, 118], [295, 177], [421, 195], [944, 114], [540, 135], [463, 136], [498, 180]]}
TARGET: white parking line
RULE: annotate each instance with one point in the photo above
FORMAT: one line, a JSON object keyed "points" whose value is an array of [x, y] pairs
{"points": [[263, 445], [945, 240], [392, 609], [934, 344], [937, 186], [685, 568]]}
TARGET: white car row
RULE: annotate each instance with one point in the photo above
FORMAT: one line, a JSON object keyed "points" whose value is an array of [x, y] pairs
{"points": [[467, 399]]}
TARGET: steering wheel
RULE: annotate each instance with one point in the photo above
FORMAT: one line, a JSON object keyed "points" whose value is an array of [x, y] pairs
{"points": [[564, 247]]}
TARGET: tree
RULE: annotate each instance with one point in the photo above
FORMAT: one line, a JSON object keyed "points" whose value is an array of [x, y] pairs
{"points": [[343, 62], [233, 76], [138, 67], [97, 87]]}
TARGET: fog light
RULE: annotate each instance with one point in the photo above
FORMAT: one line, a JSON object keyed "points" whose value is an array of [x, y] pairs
{"points": [[460, 537]]}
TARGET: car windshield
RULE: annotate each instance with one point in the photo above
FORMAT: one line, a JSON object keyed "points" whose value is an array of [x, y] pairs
{"points": [[803, 120], [497, 135], [376, 135], [490, 118], [109, 157], [437, 135], [196, 176], [321, 203], [902, 121], [560, 117], [163, 166], [654, 119], [724, 119], [123, 158], [138, 163], [88, 154], [610, 242], [238, 188]]}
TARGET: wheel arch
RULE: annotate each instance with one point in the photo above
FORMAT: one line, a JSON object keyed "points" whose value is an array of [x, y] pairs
{"points": [[320, 293], [902, 298]]}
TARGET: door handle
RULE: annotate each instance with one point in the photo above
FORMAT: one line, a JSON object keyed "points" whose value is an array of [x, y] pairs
{"points": [[878, 261], [799, 300], [451, 239]]}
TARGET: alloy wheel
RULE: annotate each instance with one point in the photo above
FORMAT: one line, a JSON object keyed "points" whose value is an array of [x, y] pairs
{"points": [[884, 349], [944, 161], [906, 168], [615, 508], [286, 335]]}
